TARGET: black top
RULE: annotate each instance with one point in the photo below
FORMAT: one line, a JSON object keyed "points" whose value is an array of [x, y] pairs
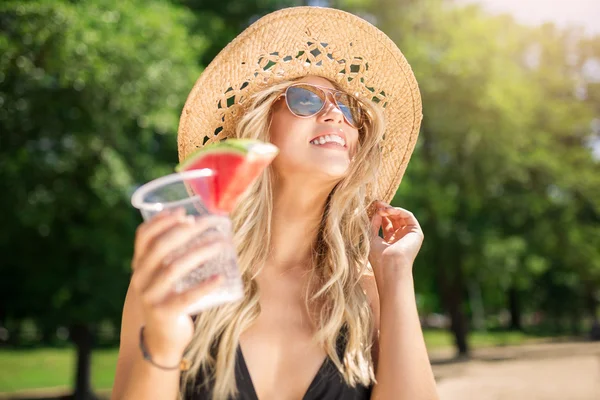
{"points": [[328, 383]]}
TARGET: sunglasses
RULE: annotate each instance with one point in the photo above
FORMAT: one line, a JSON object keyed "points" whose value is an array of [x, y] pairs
{"points": [[305, 100]]}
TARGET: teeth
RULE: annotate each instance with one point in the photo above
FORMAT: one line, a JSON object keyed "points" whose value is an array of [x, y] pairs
{"points": [[329, 139]]}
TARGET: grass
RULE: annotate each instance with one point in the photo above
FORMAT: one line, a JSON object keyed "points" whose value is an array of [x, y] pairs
{"points": [[438, 339], [24, 369]]}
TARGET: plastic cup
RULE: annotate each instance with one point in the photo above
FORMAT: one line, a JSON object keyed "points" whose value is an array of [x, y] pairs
{"points": [[173, 192]]}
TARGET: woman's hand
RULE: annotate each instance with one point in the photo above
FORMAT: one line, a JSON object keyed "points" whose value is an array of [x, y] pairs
{"points": [[393, 255], [168, 328]]}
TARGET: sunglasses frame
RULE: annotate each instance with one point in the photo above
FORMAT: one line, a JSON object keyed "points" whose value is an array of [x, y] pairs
{"points": [[326, 91]]}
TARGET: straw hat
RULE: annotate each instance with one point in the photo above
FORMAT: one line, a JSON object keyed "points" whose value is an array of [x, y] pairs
{"points": [[299, 41]]}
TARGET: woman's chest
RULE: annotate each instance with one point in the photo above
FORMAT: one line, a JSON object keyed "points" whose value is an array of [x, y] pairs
{"points": [[278, 349]]}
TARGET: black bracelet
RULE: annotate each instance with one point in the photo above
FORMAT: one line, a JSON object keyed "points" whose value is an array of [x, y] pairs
{"points": [[183, 364]]}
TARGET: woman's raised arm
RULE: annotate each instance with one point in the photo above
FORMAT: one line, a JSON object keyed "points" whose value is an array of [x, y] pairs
{"points": [[151, 303]]}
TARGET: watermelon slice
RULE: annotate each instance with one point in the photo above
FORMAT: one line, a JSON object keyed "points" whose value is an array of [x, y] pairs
{"points": [[236, 164]]}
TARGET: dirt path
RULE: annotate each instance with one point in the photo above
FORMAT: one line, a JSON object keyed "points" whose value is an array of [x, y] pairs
{"points": [[564, 371]]}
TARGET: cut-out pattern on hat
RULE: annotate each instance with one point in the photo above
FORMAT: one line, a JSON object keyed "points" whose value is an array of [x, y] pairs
{"points": [[228, 105], [269, 65]]}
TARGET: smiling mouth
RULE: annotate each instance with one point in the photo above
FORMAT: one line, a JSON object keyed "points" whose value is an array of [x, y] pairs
{"points": [[332, 139]]}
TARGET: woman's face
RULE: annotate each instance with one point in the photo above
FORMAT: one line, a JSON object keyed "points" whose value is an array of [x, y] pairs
{"points": [[293, 136]]}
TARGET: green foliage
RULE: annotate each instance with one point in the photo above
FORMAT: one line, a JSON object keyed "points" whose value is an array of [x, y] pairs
{"points": [[503, 178], [91, 95], [220, 21]]}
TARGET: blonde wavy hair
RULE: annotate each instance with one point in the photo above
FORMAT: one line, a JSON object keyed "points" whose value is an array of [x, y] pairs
{"points": [[340, 259]]}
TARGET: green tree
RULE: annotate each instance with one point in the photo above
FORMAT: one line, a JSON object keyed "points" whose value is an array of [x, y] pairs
{"points": [[477, 110], [91, 93], [502, 142], [220, 21]]}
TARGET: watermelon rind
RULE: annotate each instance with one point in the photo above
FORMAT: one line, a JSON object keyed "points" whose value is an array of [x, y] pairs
{"points": [[239, 146]]}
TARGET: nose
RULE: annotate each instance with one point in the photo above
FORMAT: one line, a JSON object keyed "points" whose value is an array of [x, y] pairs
{"points": [[331, 112]]}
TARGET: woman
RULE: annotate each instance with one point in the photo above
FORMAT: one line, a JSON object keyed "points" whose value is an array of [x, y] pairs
{"points": [[329, 310]]}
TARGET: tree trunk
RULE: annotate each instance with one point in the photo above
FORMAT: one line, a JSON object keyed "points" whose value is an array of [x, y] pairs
{"points": [[452, 286], [575, 322], [514, 306], [458, 324], [81, 335], [478, 314], [592, 306], [448, 261], [453, 281]]}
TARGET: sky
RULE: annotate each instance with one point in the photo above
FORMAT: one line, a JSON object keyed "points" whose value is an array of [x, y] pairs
{"points": [[585, 13], [562, 12]]}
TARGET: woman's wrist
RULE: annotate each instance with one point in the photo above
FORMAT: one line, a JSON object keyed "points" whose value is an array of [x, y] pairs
{"points": [[392, 278], [156, 353]]}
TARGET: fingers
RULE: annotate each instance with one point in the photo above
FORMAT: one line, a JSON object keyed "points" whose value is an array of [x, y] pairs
{"points": [[163, 280], [388, 226], [164, 243], [376, 221], [147, 232], [168, 242], [396, 213]]}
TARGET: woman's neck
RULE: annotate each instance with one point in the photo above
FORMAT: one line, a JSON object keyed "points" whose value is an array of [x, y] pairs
{"points": [[297, 214]]}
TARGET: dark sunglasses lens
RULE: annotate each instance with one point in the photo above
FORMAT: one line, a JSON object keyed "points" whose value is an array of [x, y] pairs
{"points": [[350, 108], [304, 100]]}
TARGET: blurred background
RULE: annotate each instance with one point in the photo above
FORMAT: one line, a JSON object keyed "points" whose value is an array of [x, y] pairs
{"points": [[505, 180]]}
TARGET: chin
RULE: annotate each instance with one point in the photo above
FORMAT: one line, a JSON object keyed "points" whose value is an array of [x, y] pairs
{"points": [[327, 169], [334, 172]]}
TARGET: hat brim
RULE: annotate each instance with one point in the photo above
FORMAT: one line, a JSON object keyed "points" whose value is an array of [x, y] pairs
{"points": [[300, 41]]}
